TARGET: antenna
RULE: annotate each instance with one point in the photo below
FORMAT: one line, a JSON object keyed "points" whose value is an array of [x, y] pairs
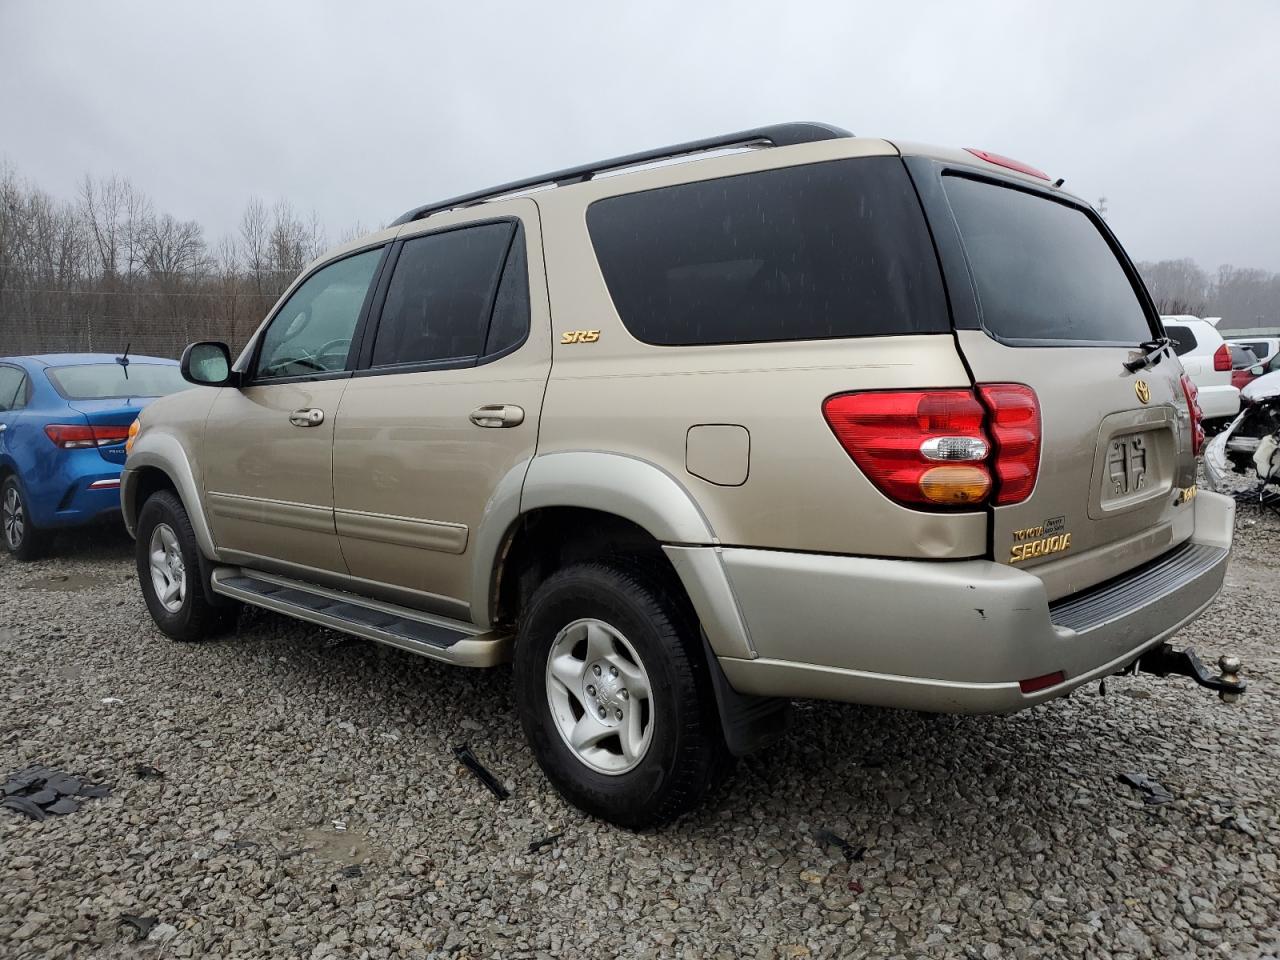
{"points": [[123, 359]]}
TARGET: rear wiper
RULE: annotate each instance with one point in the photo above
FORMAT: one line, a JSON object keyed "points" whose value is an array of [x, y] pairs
{"points": [[1152, 352]]}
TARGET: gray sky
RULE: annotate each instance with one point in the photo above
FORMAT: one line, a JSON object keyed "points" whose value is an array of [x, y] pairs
{"points": [[363, 109]]}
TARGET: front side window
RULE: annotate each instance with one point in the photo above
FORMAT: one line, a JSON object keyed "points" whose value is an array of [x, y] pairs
{"points": [[824, 250], [116, 381], [1042, 269], [442, 296], [312, 332]]}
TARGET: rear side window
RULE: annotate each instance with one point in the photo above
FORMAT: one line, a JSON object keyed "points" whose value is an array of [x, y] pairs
{"points": [[837, 249], [13, 389], [1184, 341], [116, 381], [442, 296], [1042, 269]]}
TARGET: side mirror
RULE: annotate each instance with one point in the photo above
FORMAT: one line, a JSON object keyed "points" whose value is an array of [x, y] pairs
{"points": [[208, 364], [1257, 369]]}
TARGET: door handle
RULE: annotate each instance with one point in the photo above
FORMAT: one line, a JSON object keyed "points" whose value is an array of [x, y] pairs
{"points": [[498, 415], [307, 418]]}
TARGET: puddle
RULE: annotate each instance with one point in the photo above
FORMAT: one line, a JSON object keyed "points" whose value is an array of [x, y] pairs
{"points": [[68, 583], [338, 846]]}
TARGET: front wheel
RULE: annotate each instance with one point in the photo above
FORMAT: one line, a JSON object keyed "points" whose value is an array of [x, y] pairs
{"points": [[168, 559], [615, 697], [21, 537]]}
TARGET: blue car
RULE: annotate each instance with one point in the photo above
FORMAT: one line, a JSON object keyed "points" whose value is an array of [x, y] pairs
{"points": [[64, 419]]}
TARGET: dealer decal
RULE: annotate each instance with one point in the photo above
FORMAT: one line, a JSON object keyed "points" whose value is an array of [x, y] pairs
{"points": [[1040, 541]]}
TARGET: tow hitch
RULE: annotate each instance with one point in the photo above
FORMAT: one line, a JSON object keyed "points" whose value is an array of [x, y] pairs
{"points": [[1164, 660]]}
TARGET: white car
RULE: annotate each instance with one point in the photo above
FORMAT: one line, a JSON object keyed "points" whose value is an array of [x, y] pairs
{"points": [[1206, 358], [1264, 348]]}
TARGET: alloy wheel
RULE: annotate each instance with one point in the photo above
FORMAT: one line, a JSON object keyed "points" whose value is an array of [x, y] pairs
{"points": [[168, 572]]}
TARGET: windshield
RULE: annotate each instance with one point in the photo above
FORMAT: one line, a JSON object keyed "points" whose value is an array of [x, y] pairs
{"points": [[1042, 269], [115, 381]]}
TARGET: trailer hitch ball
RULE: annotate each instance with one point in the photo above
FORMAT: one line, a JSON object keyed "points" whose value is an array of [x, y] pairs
{"points": [[1230, 667]]}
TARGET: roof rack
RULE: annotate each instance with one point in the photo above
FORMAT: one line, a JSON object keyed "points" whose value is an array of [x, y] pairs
{"points": [[776, 135]]}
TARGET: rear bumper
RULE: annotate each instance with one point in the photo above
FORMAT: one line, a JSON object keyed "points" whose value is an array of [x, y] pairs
{"points": [[1219, 401], [77, 487], [956, 637]]}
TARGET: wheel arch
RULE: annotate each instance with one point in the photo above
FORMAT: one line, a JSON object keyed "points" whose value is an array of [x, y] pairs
{"points": [[159, 461]]}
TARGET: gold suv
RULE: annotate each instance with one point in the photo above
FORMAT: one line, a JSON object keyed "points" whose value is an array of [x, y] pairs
{"points": [[688, 433]]}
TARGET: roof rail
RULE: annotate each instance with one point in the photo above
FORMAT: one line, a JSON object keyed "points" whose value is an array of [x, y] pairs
{"points": [[776, 135]]}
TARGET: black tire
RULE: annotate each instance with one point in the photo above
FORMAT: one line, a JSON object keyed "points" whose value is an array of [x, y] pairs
{"points": [[195, 617], [686, 755], [22, 538]]}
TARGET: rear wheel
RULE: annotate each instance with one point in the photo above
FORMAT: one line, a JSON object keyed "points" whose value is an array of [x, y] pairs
{"points": [[169, 571], [21, 536], [615, 697]]}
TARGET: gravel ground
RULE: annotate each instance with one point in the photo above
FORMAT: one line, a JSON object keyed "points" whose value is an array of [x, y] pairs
{"points": [[310, 806]]}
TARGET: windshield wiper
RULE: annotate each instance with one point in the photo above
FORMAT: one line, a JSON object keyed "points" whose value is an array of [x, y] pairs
{"points": [[1152, 352]]}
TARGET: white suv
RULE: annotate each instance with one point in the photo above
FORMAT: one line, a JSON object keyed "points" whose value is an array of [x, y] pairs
{"points": [[1207, 360]]}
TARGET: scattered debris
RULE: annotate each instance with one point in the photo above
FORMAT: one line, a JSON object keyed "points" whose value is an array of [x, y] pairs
{"points": [[1236, 821], [468, 760], [339, 825], [145, 771], [162, 933], [1154, 793], [108, 701], [352, 871], [856, 887], [38, 792], [141, 925], [538, 844], [852, 854]]}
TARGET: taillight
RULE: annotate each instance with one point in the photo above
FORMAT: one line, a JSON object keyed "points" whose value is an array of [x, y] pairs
{"points": [[1192, 393], [936, 448], [1222, 358], [72, 436], [1015, 433]]}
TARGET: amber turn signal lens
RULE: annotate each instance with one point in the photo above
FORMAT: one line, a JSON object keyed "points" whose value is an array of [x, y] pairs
{"points": [[133, 435], [955, 485]]}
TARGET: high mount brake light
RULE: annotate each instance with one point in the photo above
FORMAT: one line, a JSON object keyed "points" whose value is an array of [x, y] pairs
{"points": [[78, 436], [942, 448], [1008, 163]]}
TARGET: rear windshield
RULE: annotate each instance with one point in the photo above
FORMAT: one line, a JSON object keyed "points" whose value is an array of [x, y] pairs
{"points": [[836, 249], [1184, 341], [110, 381], [1042, 269]]}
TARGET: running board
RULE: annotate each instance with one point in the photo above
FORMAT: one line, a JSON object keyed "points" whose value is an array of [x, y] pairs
{"points": [[439, 638]]}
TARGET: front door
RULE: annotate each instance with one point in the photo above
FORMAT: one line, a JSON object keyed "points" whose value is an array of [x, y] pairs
{"points": [[447, 402], [269, 444]]}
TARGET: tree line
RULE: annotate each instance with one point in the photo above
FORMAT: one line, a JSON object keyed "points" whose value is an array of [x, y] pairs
{"points": [[105, 270]]}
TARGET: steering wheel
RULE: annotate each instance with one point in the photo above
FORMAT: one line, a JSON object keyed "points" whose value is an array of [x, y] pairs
{"points": [[331, 347]]}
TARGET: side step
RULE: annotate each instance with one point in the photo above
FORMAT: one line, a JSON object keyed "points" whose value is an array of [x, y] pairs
{"points": [[439, 638]]}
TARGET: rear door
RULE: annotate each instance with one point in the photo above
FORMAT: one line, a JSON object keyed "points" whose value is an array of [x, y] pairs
{"points": [[1043, 296], [446, 403]]}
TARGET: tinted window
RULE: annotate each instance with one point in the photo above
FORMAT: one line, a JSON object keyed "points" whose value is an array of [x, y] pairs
{"points": [[441, 296], [1184, 341], [312, 332], [1259, 348], [1042, 269], [835, 249], [510, 323], [13, 388], [115, 381], [1241, 357]]}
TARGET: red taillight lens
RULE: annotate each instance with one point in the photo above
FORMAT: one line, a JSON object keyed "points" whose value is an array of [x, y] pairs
{"points": [[1015, 434], [1007, 162], [907, 443], [1192, 393], [73, 436], [1222, 358]]}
